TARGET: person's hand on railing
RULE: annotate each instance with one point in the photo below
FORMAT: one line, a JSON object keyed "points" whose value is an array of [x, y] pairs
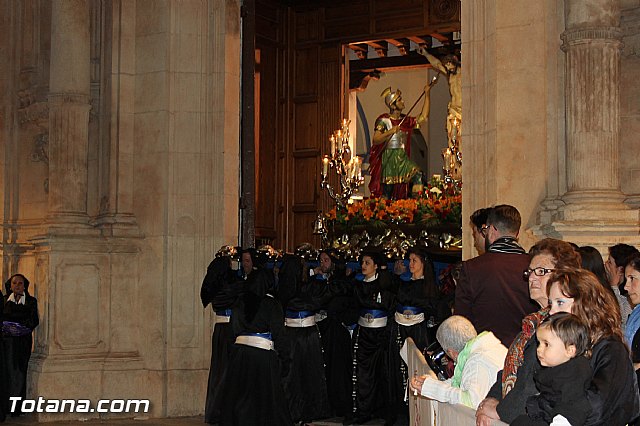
{"points": [[416, 383], [487, 413]]}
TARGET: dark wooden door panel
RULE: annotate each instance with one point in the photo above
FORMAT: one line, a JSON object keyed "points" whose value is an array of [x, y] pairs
{"points": [[302, 99]]}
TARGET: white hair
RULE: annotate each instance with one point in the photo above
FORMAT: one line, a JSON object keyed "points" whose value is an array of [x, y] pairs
{"points": [[455, 332]]}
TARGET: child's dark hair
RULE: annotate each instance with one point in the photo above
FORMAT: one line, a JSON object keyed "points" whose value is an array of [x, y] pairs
{"points": [[570, 329]]}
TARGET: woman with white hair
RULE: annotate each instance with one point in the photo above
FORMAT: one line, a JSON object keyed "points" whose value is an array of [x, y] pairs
{"points": [[478, 357]]}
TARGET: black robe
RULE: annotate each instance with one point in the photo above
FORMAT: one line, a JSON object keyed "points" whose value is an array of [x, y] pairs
{"points": [[422, 294], [563, 391], [16, 350], [220, 288], [252, 391], [339, 315], [305, 385], [373, 386]]}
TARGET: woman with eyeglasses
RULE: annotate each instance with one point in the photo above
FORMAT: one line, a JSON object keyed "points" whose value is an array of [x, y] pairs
{"points": [[507, 397]]}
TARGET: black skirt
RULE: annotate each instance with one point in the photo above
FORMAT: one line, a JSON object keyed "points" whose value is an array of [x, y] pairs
{"points": [[398, 373], [305, 385], [336, 346], [372, 384], [252, 391], [16, 352], [221, 343]]}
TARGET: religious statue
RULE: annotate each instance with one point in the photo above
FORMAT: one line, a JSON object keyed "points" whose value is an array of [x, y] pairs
{"points": [[450, 67], [390, 168]]}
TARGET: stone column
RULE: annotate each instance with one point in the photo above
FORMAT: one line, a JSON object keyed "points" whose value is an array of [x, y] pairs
{"points": [[69, 111], [592, 43], [594, 212]]}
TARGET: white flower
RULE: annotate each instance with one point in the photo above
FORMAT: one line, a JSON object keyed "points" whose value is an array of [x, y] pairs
{"points": [[435, 190]]}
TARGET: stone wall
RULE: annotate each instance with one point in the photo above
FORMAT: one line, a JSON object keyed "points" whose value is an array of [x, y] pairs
{"points": [[120, 169], [120, 181], [544, 95]]}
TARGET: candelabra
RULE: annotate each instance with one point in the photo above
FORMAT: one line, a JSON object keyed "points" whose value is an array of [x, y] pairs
{"points": [[452, 156], [348, 168]]}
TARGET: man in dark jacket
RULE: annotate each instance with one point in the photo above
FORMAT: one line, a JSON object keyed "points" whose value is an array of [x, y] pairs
{"points": [[491, 292]]}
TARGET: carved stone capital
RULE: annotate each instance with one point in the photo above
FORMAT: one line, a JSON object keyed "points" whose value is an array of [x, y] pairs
{"points": [[32, 112], [584, 35], [68, 98]]}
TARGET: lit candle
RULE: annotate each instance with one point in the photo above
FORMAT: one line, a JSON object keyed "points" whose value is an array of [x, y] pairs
{"points": [[325, 166], [358, 168], [333, 145], [446, 156]]}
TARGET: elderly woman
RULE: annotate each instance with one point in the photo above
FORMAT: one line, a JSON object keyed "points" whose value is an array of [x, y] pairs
{"points": [[477, 358], [20, 318], [507, 397]]}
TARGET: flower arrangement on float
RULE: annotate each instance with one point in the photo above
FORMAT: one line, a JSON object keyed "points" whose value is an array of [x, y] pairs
{"points": [[440, 203]]}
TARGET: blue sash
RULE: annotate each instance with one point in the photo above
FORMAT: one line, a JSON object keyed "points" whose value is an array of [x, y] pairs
{"points": [[299, 314], [374, 313], [408, 310]]}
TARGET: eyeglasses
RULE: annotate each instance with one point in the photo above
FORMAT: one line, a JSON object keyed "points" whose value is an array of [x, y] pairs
{"points": [[484, 229], [538, 272]]}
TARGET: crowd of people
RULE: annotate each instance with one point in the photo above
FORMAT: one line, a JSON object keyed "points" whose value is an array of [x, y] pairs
{"points": [[545, 337], [331, 337]]}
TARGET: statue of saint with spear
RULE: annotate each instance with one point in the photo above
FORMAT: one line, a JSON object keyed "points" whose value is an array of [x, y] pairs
{"points": [[393, 174]]}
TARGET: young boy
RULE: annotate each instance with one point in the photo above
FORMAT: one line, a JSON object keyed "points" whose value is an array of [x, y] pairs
{"points": [[563, 340]]}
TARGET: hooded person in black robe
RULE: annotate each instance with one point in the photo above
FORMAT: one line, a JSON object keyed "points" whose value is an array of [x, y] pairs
{"points": [[220, 288], [305, 385], [336, 318], [252, 391]]}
